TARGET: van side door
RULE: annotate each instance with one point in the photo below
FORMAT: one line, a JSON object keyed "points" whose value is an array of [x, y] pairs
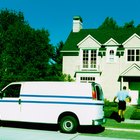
{"points": [[10, 103]]}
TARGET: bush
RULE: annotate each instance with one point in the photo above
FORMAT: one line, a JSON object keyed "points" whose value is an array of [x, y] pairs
{"points": [[110, 108], [136, 114]]}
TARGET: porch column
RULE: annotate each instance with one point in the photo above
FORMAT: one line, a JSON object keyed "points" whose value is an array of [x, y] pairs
{"points": [[121, 83]]}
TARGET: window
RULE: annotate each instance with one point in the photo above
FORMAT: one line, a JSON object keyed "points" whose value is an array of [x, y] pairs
{"points": [[111, 55], [89, 59], [133, 55], [85, 58], [87, 79], [12, 91], [93, 59]]}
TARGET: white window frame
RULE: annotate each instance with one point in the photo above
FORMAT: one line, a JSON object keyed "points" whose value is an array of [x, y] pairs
{"points": [[89, 59]]}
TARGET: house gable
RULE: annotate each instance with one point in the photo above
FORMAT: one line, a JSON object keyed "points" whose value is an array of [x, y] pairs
{"points": [[133, 70], [111, 42], [89, 42], [133, 41]]}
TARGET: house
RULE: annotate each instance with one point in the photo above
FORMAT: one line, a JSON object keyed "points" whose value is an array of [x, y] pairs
{"points": [[109, 57]]}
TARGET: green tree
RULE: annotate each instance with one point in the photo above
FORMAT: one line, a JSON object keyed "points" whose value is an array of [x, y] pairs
{"points": [[56, 67], [25, 52], [9, 18], [109, 23], [129, 25]]}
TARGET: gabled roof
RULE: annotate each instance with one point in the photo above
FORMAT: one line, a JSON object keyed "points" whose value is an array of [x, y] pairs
{"points": [[134, 35], [133, 70], [86, 38], [101, 35], [111, 41]]}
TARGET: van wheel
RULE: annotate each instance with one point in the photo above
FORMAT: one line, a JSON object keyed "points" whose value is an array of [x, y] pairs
{"points": [[68, 124]]}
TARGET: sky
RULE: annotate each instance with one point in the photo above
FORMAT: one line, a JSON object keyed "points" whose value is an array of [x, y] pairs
{"points": [[56, 16]]}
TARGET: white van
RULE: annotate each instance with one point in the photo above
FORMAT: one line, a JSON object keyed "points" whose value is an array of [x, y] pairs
{"points": [[68, 104]]}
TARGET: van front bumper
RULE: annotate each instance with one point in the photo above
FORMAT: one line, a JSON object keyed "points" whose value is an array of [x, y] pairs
{"points": [[99, 121]]}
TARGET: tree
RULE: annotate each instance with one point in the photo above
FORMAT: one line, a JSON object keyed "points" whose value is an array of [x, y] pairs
{"points": [[138, 26], [25, 52], [109, 23], [8, 18], [129, 25], [57, 57], [56, 67]]}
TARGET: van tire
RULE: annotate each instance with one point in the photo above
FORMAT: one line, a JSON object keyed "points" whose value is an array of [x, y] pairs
{"points": [[68, 124]]}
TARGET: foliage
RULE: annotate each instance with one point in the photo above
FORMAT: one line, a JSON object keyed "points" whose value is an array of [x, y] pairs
{"points": [[109, 23], [25, 53], [110, 108], [129, 25], [110, 104], [136, 114], [131, 112]]}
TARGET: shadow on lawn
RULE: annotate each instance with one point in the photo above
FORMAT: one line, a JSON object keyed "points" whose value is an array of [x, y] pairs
{"points": [[115, 116]]}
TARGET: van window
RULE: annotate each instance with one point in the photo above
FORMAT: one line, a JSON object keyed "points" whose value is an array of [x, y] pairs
{"points": [[12, 91], [99, 92]]}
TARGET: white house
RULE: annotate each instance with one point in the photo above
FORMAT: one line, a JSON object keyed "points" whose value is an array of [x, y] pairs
{"points": [[109, 57]]}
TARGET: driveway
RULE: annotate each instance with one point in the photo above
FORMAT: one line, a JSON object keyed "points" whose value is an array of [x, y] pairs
{"points": [[8, 133]]}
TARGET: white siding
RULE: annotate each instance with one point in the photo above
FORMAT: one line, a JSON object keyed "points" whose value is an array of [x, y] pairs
{"points": [[71, 64]]}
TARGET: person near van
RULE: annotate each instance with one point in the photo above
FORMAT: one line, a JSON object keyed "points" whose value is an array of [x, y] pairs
{"points": [[122, 95]]}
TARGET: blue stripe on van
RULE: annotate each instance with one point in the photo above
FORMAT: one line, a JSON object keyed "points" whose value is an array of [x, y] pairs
{"points": [[50, 102], [56, 102], [9, 101], [56, 96]]}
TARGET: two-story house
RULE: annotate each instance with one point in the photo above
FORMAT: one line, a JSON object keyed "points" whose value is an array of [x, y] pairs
{"points": [[109, 57]]}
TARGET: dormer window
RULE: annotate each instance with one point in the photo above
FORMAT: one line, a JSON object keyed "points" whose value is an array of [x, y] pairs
{"points": [[111, 54]]}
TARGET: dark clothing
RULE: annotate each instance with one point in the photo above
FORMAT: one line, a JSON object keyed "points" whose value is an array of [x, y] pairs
{"points": [[122, 105]]}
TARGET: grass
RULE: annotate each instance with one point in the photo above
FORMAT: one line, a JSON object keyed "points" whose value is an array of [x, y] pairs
{"points": [[132, 112], [119, 133], [113, 124]]}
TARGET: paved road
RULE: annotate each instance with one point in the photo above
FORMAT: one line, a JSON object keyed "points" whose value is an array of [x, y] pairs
{"points": [[9, 133]]}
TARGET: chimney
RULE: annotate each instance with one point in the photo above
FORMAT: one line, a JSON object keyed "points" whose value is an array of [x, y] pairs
{"points": [[77, 23]]}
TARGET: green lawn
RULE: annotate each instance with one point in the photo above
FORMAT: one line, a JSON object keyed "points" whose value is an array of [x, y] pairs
{"points": [[116, 133], [114, 124]]}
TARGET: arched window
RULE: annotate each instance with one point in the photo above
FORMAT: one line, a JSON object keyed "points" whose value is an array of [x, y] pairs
{"points": [[111, 52], [111, 56]]}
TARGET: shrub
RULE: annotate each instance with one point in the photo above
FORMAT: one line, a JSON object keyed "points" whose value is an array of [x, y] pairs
{"points": [[136, 114], [110, 108]]}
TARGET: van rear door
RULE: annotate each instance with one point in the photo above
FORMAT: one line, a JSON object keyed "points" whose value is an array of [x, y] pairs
{"points": [[97, 92]]}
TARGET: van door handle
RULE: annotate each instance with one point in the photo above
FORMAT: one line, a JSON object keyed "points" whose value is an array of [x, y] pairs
{"points": [[19, 101]]}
